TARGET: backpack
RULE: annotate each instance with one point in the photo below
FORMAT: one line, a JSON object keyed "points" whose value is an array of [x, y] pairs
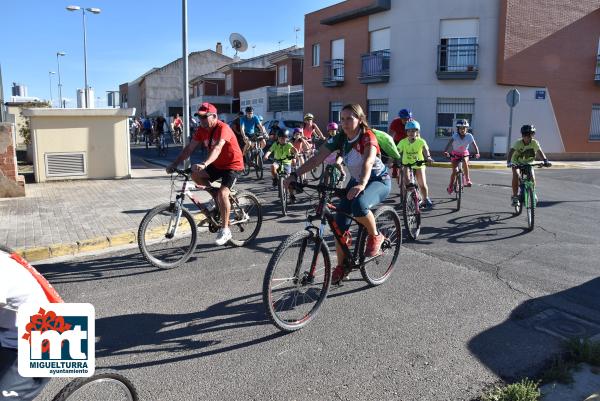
{"points": [[386, 144]]}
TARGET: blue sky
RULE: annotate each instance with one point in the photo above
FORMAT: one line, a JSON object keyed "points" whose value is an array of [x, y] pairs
{"points": [[130, 37]]}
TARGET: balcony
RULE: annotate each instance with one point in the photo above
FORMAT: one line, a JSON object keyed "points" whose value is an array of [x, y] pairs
{"points": [[375, 67], [333, 73], [597, 76], [458, 61]]}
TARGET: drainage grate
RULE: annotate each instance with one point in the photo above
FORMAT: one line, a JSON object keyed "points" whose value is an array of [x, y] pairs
{"points": [[65, 164], [561, 324]]}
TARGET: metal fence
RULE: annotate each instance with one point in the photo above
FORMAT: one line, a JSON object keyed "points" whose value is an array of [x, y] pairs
{"points": [[286, 98], [375, 66], [458, 58], [595, 126], [333, 72]]}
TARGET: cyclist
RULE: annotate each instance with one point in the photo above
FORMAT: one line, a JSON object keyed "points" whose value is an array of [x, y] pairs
{"points": [[310, 128], [284, 152], [20, 283], [250, 125], [524, 151], [147, 124], [413, 148], [302, 146], [398, 132], [460, 142], [224, 161], [370, 183], [235, 126], [334, 159]]}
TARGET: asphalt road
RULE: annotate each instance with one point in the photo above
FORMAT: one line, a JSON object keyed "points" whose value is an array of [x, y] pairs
{"points": [[476, 299]]}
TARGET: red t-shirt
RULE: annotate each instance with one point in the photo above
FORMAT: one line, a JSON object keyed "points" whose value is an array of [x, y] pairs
{"points": [[230, 157], [398, 127]]}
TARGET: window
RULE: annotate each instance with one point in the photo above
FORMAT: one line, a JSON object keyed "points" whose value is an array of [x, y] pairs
{"points": [[335, 108], [458, 45], [228, 82], [261, 100], [449, 109], [597, 76], [254, 101], [595, 126], [380, 39], [316, 55], [282, 74], [377, 113]]}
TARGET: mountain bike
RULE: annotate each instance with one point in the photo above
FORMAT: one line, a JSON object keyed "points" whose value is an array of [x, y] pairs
{"points": [[253, 157], [282, 190], [332, 176], [168, 233], [411, 211], [298, 275], [161, 144], [102, 386], [458, 180], [527, 196], [316, 172]]}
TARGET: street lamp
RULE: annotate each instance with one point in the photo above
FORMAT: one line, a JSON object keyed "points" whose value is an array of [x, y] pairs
{"points": [[93, 11], [59, 54], [50, 73]]}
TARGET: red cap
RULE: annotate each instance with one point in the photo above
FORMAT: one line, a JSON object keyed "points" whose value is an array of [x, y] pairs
{"points": [[206, 108]]}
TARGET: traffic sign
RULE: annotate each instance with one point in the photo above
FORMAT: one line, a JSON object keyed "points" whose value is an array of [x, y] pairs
{"points": [[512, 97]]}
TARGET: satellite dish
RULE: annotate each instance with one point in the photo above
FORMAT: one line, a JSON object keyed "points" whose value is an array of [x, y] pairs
{"points": [[238, 42]]}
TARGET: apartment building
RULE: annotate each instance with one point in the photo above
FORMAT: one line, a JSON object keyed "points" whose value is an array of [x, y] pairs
{"points": [[458, 59]]}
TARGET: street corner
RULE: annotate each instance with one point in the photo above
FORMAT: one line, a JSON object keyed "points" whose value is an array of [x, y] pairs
{"points": [[93, 244], [122, 239]]}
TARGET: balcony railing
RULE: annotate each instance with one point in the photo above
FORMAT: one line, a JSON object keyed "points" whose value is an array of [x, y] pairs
{"points": [[375, 67], [458, 61], [333, 73], [597, 77]]}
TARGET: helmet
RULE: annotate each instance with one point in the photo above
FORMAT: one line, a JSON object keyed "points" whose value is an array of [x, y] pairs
{"points": [[282, 134], [309, 116], [332, 126], [528, 129], [405, 113], [462, 123], [414, 124], [297, 132], [249, 109]]}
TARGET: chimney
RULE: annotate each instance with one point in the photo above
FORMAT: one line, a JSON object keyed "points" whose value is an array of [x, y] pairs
{"points": [[219, 48]]}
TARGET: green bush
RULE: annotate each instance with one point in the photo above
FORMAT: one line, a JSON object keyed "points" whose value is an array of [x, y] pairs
{"points": [[525, 390]]}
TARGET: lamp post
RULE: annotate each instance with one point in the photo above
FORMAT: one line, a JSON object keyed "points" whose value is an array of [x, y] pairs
{"points": [[93, 11], [59, 54], [50, 73]]}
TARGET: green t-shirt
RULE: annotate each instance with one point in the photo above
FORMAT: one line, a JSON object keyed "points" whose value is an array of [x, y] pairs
{"points": [[412, 152], [525, 153], [282, 152]]}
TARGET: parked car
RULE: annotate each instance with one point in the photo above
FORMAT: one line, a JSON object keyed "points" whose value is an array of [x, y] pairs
{"points": [[287, 125]]}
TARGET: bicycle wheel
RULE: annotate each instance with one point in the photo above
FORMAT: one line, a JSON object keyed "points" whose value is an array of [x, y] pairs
{"points": [[246, 170], [246, 218], [376, 271], [258, 166], [458, 189], [411, 214], [519, 205], [104, 386], [530, 205], [283, 195], [296, 281], [163, 243], [317, 172]]}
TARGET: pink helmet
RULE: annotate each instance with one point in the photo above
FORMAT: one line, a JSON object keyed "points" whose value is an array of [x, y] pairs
{"points": [[332, 126]]}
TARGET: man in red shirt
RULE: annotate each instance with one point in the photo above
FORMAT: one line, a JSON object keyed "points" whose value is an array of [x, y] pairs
{"points": [[398, 132], [224, 161]]}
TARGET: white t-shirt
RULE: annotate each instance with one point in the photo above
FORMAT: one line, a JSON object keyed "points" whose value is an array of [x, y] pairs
{"points": [[17, 286], [461, 145]]}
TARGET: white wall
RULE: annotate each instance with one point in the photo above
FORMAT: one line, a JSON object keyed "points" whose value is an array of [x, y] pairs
{"points": [[415, 33]]}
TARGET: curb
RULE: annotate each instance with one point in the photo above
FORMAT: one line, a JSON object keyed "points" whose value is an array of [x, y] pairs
{"points": [[500, 166], [40, 253]]}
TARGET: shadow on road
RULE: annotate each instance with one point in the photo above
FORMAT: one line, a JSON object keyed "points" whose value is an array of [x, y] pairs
{"points": [[535, 329], [148, 334]]}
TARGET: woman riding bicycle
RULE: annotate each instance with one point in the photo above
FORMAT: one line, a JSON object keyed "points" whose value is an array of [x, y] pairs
{"points": [[370, 182], [310, 129]]}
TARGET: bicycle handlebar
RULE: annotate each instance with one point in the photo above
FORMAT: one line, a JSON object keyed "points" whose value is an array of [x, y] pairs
{"points": [[539, 164], [299, 187]]}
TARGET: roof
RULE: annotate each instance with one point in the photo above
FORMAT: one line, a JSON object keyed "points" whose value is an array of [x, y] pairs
{"points": [[210, 75], [297, 53], [255, 63]]}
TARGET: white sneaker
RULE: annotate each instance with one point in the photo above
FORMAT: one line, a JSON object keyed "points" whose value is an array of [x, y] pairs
{"points": [[223, 237]]}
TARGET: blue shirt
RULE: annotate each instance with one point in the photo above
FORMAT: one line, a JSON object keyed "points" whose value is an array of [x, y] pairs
{"points": [[250, 124]]}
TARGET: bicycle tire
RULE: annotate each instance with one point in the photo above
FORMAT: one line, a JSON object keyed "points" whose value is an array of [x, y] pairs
{"points": [[298, 279], [411, 214], [246, 170], [163, 259], [390, 247], [282, 195], [519, 206], [258, 166], [75, 387], [458, 190], [530, 204], [317, 172], [251, 206]]}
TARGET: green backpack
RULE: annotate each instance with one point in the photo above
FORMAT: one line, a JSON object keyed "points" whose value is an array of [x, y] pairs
{"points": [[386, 143]]}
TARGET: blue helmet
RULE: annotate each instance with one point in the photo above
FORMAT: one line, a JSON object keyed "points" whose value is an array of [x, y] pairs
{"points": [[405, 113], [413, 125]]}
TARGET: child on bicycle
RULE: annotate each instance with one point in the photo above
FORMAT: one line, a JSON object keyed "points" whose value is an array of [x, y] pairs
{"points": [[334, 159], [284, 153], [460, 142], [413, 148], [524, 151], [302, 147]]}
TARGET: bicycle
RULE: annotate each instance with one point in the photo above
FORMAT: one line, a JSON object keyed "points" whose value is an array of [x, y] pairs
{"points": [[177, 136], [411, 211], [102, 386], [162, 145], [332, 176], [294, 287], [282, 190], [168, 233], [527, 196], [253, 157], [316, 172], [458, 180]]}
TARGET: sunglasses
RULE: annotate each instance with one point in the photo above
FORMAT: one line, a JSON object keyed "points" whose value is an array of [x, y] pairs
{"points": [[204, 117]]}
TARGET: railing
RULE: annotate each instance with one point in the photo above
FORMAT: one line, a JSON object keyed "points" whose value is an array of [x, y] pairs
{"points": [[597, 77], [333, 73], [375, 67], [458, 61]]}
